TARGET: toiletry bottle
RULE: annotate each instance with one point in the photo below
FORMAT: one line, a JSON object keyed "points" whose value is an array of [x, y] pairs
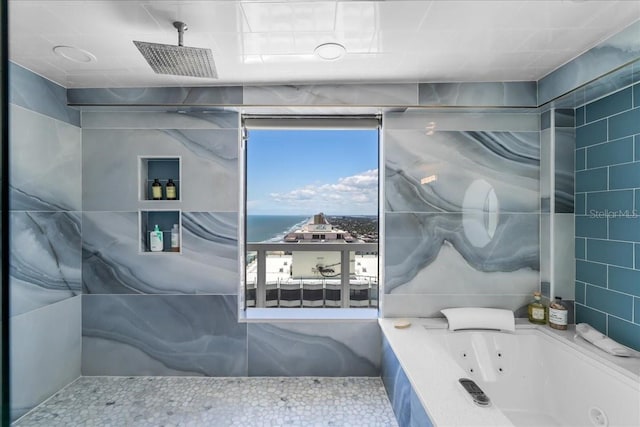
{"points": [[171, 190], [537, 310], [558, 314], [156, 242], [175, 238], [156, 190]]}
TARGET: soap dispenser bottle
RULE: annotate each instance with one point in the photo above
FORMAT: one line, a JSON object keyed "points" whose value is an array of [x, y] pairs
{"points": [[156, 242], [537, 311]]}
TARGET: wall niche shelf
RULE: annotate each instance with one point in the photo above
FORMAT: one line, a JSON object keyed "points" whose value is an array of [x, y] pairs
{"points": [[162, 168], [165, 219]]}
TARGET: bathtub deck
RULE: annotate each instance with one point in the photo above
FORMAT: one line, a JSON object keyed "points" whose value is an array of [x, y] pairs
{"points": [[529, 419], [219, 402]]}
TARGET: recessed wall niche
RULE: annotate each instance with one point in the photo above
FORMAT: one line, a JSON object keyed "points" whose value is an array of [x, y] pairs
{"points": [[165, 172], [165, 220]]}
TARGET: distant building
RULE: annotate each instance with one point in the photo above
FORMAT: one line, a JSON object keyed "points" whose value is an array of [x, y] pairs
{"points": [[318, 229]]}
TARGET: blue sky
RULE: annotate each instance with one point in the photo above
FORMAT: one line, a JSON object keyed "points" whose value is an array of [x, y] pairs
{"points": [[301, 172]]}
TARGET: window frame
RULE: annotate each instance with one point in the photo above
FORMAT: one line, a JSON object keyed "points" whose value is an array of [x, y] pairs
{"points": [[302, 122]]}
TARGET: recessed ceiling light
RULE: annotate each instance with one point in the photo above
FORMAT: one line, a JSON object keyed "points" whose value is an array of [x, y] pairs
{"points": [[74, 54], [330, 51]]}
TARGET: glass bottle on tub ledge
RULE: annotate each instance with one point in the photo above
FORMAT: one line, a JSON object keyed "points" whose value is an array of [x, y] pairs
{"points": [[558, 314], [170, 190], [537, 311], [156, 190]]}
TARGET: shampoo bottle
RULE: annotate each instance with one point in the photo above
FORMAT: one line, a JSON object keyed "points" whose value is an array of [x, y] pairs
{"points": [[537, 311], [175, 238], [558, 314], [171, 190], [156, 243], [156, 190]]}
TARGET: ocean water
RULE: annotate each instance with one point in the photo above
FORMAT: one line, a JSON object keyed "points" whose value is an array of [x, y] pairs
{"points": [[272, 228]]}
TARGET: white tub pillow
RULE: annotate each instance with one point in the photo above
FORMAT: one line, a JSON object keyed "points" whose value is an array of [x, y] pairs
{"points": [[479, 318]]}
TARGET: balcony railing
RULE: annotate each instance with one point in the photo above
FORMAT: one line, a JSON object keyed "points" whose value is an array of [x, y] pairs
{"points": [[348, 277]]}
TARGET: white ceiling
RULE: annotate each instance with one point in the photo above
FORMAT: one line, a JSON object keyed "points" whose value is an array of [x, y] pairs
{"points": [[262, 42]]}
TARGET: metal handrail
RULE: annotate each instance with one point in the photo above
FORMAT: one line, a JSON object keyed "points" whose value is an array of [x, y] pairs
{"points": [[261, 250]]}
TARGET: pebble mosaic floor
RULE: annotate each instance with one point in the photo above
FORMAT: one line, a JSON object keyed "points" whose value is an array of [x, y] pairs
{"points": [[216, 402]]}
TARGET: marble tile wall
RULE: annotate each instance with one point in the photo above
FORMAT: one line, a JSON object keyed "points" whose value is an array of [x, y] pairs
{"points": [[224, 95], [333, 349], [162, 335], [506, 94], [35, 93], [612, 53], [405, 402], [469, 236], [167, 313], [45, 239], [44, 353], [494, 94], [176, 314], [349, 95]]}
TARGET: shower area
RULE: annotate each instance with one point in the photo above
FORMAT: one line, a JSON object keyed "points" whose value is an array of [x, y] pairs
{"points": [[146, 337]]}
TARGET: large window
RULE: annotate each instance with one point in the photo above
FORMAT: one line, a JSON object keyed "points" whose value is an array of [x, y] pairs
{"points": [[311, 212]]}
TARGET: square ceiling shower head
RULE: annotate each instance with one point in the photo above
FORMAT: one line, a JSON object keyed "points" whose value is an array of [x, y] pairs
{"points": [[178, 60]]}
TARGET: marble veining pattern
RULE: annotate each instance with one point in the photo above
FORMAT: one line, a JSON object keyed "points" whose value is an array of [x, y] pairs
{"points": [[45, 258], [508, 162], [324, 349], [422, 249], [430, 304], [209, 167], [464, 119], [112, 263], [606, 84], [507, 94], [221, 95], [404, 400], [46, 162], [40, 95], [337, 94], [162, 335], [188, 119], [219, 402], [612, 53]]}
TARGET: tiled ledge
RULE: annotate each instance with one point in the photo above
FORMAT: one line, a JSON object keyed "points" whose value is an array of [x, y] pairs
{"points": [[489, 94]]}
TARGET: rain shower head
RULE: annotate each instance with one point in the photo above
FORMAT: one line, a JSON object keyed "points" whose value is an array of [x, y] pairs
{"points": [[178, 60]]}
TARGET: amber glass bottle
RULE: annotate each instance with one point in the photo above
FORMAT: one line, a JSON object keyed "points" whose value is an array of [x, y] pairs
{"points": [[156, 190], [558, 314], [171, 190]]}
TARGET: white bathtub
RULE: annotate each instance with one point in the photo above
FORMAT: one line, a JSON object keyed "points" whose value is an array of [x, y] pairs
{"points": [[534, 377]]}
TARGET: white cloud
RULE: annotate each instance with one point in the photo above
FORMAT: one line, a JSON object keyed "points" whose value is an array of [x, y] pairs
{"points": [[352, 194]]}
